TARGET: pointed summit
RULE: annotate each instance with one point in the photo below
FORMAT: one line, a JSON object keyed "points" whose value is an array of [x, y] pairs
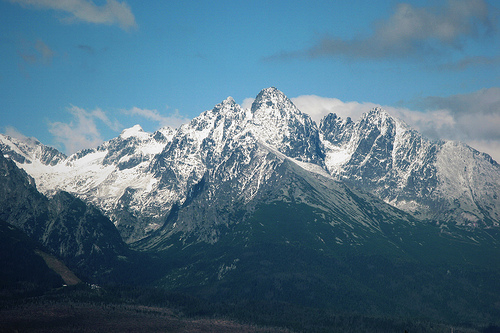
{"points": [[378, 120], [135, 131], [377, 113], [269, 92], [229, 100], [271, 97], [226, 105], [272, 105], [279, 123]]}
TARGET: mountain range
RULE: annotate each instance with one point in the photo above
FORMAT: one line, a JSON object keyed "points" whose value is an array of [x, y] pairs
{"points": [[136, 178], [262, 204]]}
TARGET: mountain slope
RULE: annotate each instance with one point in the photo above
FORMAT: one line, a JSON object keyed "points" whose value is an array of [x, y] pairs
{"points": [[261, 228], [23, 271], [218, 200], [305, 240], [69, 228], [107, 176]]}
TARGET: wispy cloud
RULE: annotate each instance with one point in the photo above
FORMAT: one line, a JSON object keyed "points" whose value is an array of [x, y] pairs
{"points": [[472, 118], [468, 62], [36, 52], [484, 101], [409, 32], [86, 48], [81, 132], [44, 50], [115, 125], [173, 120], [13, 132], [112, 12], [247, 103]]}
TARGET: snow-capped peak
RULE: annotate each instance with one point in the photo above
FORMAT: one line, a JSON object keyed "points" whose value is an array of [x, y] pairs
{"points": [[277, 122], [135, 131]]}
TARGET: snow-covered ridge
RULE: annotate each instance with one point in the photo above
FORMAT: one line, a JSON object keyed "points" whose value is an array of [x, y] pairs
{"points": [[27, 150]]}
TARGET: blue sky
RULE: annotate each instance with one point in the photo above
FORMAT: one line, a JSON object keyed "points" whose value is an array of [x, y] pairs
{"points": [[74, 73]]}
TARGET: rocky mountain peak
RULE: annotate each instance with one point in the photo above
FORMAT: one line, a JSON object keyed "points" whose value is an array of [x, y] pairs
{"points": [[227, 107], [377, 129], [164, 134], [378, 117], [377, 110], [276, 121], [272, 99], [332, 119], [335, 129], [229, 101]]}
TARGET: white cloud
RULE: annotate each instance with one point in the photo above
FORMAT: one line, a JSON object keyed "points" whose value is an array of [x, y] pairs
{"points": [[81, 132], [476, 118], [471, 118], [490, 147], [317, 107], [247, 103], [174, 120], [101, 115], [112, 12]]}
